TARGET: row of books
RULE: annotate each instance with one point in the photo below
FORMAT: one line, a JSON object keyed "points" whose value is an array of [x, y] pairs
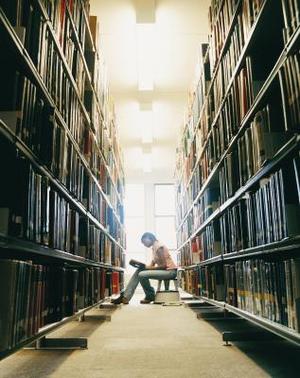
{"points": [[52, 71], [185, 200], [201, 211], [205, 206], [96, 204], [254, 149], [187, 139], [291, 17], [204, 246], [42, 47], [77, 9], [196, 250], [35, 207], [220, 17], [71, 52], [98, 71], [33, 296], [225, 128], [245, 17], [95, 159], [290, 85], [187, 154], [206, 281], [62, 159], [103, 173], [189, 281], [24, 110], [31, 208], [31, 117], [203, 81], [261, 140], [250, 13], [239, 98], [210, 241], [59, 84], [258, 145], [243, 92], [264, 215], [92, 107], [184, 257], [233, 53], [106, 136], [58, 13], [228, 121], [212, 282], [54, 148], [187, 194], [251, 77], [268, 288], [117, 176], [190, 160], [268, 214], [97, 246], [185, 230]]}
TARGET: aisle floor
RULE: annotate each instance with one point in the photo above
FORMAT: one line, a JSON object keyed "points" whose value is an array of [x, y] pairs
{"points": [[153, 341]]}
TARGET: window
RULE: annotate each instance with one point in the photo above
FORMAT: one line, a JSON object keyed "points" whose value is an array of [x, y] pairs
{"points": [[165, 214]]}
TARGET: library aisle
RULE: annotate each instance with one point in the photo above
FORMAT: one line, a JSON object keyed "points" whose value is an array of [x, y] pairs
{"points": [[153, 341], [153, 140]]}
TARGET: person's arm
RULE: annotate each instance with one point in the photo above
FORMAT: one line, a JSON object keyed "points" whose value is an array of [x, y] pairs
{"points": [[151, 265], [161, 253]]}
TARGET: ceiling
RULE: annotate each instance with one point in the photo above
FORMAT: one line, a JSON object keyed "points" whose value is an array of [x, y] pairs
{"points": [[180, 26]]}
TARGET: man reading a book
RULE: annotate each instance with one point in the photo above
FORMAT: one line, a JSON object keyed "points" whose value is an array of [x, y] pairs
{"points": [[161, 267]]}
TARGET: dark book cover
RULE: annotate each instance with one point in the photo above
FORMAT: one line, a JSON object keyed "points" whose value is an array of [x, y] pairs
{"points": [[137, 264]]}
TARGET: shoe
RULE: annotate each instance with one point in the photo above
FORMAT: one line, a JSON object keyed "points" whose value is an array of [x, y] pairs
{"points": [[120, 300], [117, 300], [146, 300], [125, 300]]}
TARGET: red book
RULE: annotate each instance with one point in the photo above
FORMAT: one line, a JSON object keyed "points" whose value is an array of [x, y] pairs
{"points": [[194, 245], [115, 282], [62, 20]]}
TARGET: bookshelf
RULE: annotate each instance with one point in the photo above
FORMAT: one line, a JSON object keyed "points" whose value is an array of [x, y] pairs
{"points": [[237, 167], [61, 204]]}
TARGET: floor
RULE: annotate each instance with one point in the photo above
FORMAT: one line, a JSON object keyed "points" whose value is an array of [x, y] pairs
{"points": [[154, 341]]}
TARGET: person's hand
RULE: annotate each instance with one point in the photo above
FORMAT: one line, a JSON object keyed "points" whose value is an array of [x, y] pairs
{"points": [[149, 267]]}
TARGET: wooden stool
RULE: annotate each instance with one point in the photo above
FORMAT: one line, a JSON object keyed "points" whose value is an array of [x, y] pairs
{"points": [[167, 296], [167, 284]]}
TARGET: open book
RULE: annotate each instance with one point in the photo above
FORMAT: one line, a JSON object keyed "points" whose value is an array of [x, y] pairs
{"points": [[137, 264]]}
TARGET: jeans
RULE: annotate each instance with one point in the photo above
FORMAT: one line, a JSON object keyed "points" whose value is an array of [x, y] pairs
{"points": [[143, 277]]}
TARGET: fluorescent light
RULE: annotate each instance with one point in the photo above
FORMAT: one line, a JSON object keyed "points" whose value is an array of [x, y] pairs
{"points": [[145, 56], [147, 162]]}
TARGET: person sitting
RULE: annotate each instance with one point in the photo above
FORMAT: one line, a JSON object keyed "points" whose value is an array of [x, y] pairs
{"points": [[162, 267]]}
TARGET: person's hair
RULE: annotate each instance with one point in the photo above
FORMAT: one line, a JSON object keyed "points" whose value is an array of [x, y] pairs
{"points": [[148, 235]]}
